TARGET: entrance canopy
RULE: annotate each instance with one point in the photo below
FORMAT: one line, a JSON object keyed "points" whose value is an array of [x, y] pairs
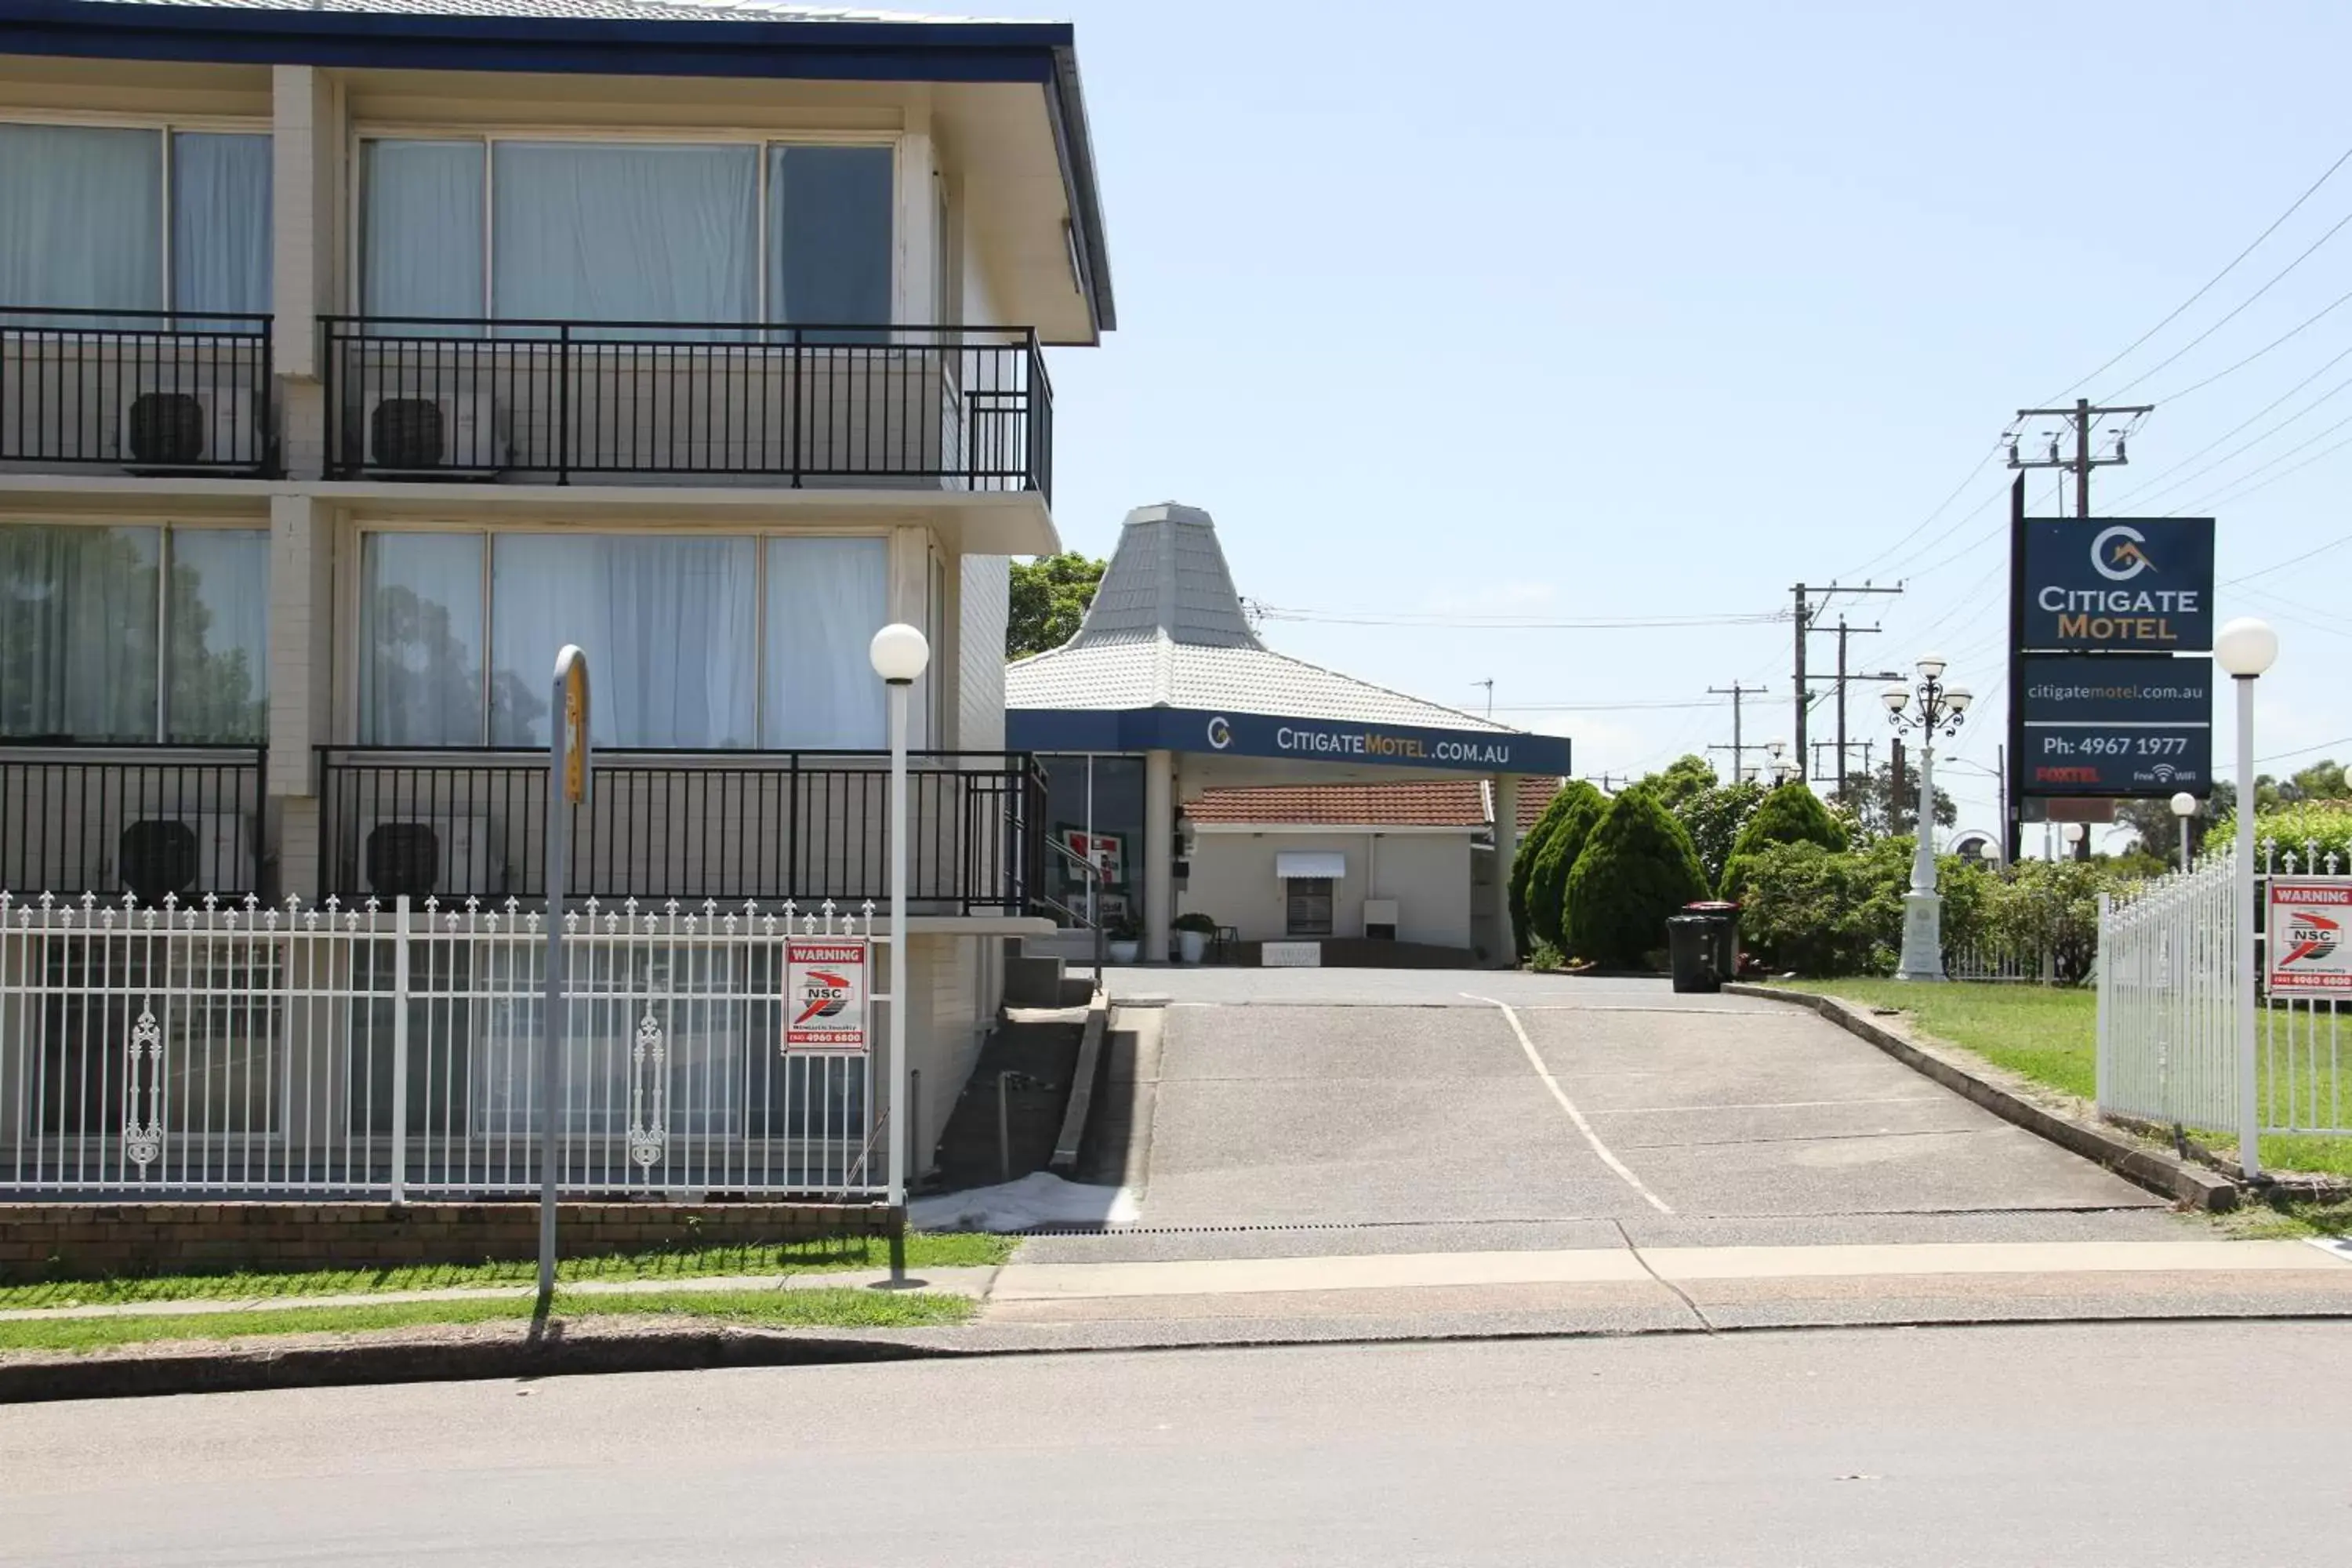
{"points": [[1167, 661]]}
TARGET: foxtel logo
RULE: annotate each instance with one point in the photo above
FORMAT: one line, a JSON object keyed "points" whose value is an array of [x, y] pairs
{"points": [[2065, 776]]}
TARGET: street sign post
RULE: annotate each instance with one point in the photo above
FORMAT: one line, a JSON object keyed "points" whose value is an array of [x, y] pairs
{"points": [[567, 786], [2116, 725], [2308, 953]]}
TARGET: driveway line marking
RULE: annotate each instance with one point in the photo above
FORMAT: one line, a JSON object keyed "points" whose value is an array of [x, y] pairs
{"points": [[1772, 1105], [1559, 1094]]}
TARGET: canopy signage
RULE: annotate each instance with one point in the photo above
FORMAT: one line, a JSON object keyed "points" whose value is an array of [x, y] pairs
{"points": [[2308, 954], [2116, 725], [1235, 734], [2118, 584]]}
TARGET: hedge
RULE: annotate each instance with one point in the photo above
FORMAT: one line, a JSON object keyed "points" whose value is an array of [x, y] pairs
{"points": [[1637, 867], [1547, 879], [1792, 814], [1523, 863]]}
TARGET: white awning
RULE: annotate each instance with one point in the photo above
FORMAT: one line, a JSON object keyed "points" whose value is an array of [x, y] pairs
{"points": [[1289, 863]]}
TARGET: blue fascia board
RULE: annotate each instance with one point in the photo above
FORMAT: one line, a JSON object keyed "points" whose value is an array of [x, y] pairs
{"points": [[1238, 734]]}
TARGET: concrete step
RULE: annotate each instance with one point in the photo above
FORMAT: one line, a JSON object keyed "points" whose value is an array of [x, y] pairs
{"points": [[1034, 982]]}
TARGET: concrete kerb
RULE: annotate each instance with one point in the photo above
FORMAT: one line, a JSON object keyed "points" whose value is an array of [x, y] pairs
{"points": [[1064, 1160], [2179, 1180]]}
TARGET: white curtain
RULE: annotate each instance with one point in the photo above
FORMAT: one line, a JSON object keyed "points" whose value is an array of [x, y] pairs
{"points": [[421, 641], [78, 632], [667, 622], [826, 598], [220, 222], [829, 211], [80, 217], [421, 228], [649, 233], [219, 666]]}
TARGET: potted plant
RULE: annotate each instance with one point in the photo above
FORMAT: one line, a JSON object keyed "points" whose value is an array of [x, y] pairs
{"points": [[1126, 936], [1193, 930]]}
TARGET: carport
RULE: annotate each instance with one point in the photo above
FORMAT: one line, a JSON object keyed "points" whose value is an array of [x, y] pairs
{"points": [[1166, 692]]}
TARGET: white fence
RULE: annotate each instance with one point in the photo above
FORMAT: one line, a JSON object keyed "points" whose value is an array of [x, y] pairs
{"points": [[2168, 988], [275, 1051]]}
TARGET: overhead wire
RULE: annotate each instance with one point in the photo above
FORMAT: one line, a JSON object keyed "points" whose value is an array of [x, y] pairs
{"points": [[2236, 311]]}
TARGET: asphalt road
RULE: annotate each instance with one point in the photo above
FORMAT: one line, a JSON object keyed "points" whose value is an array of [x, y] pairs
{"points": [[1586, 1106], [2178, 1444]]}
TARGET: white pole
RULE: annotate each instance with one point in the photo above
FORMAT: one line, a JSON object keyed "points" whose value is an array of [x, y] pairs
{"points": [[400, 1049], [898, 987], [2250, 1127], [551, 1028]]}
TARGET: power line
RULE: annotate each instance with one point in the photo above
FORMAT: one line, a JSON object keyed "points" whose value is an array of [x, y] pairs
{"points": [[2292, 331], [2291, 560], [2208, 285], [1598, 707], [1439, 619], [2155, 478], [2240, 308], [2234, 494]]}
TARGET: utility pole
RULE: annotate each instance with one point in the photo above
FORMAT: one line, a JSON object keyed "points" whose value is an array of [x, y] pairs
{"points": [[1839, 681], [1489, 684], [1804, 618], [1895, 794], [1738, 747], [2084, 419]]}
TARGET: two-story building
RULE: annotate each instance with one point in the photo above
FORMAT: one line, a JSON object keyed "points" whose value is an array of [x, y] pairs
{"points": [[356, 355]]}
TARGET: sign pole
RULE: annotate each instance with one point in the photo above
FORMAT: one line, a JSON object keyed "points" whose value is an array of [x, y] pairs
{"points": [[567, 786], [2012, 793], [2250, 1123]]}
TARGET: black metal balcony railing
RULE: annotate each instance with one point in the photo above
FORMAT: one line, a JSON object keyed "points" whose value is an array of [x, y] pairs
{"points": [[952, 407], [148, 820], [149, 391], [765, 825]]}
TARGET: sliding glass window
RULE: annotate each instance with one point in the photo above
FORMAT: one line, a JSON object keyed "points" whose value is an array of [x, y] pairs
{"points": [[85, 225], [84, 610], [688, 650], [667, 232]]}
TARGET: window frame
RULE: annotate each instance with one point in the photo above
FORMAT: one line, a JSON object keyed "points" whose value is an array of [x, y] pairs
{"points": [[351, 596], [165, 529], [363, 132], [166, 127], [1292, 894]]}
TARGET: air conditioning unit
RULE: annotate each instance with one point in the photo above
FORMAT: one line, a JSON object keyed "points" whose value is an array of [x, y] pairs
{"points": [[168, 424], [1380, 920], [414, 431], [451, 858], [186, 854]]}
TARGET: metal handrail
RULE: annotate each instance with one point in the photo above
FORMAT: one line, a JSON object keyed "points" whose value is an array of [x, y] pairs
{"points": [[1092, 921]]}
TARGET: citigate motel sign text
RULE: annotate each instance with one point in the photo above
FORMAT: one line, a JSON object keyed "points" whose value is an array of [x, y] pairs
{"points": [[2118, 586], [2099, 705]]}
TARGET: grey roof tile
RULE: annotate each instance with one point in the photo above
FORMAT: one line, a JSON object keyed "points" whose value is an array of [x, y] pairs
{"points": [[584, 10]]}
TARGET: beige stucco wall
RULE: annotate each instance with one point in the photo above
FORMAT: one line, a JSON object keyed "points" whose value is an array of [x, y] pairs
{"points": [[1428, 874]]}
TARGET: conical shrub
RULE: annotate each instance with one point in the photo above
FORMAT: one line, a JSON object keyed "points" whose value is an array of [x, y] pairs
{"points": [[1638, 867], [1530, 850], [1548, 879]]}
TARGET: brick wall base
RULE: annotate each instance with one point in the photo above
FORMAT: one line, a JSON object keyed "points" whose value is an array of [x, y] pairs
{"points": [[73, 1241]]}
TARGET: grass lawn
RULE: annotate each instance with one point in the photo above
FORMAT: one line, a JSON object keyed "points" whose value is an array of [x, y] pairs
{"points": [[832, 1254], [766, 1309], [2050, 1034]]}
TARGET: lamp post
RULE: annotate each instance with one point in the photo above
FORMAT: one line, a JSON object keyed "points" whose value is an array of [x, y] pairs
{"points": [[899, 655], [2246, 648], [2184, 806], [1939, 712]]}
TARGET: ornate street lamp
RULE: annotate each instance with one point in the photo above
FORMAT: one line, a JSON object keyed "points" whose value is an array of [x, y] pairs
{"points": [[1938, 711]]}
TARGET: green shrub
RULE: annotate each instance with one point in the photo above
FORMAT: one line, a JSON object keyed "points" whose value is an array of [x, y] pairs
{"points": [[1714, 817], [2051, 906], [1193, 920], [1790, 814], [1523, 863], [1637, 867], [1547, 959], [1813, 911], [2312, 829], [1549, 876]]}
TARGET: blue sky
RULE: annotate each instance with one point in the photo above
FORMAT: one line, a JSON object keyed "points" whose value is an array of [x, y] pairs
{"points": [[1585, 311]]}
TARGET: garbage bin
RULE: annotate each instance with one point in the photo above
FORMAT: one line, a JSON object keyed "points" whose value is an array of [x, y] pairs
{"points": [[1693, 950], [1726, 917]]}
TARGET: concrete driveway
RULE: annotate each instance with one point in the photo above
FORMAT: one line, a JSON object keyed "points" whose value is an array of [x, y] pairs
{"points": [[1477, 1109]]}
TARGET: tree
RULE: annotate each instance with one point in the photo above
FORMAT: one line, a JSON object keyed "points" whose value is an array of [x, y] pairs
{"points": [[1547, 878], [1815, 911], [1880, 807], [1792, 814], [1050, 595], [1523, 862], [1638, 868], [2158, 830]]}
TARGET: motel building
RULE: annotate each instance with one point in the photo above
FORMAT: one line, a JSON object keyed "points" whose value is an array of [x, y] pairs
{"points": [[355, 356], [1293, 806]]}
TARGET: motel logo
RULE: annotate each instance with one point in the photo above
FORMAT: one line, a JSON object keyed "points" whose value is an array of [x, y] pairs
{"points": [[2120, 553]]}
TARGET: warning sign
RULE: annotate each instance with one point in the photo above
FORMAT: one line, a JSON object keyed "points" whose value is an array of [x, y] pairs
{"points": [[824, 994], [2308, 956]]}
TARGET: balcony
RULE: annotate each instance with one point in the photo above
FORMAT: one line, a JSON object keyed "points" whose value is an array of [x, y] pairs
{"points": [[950, 408], [142, 392], [730, 826], [151, 820]]}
